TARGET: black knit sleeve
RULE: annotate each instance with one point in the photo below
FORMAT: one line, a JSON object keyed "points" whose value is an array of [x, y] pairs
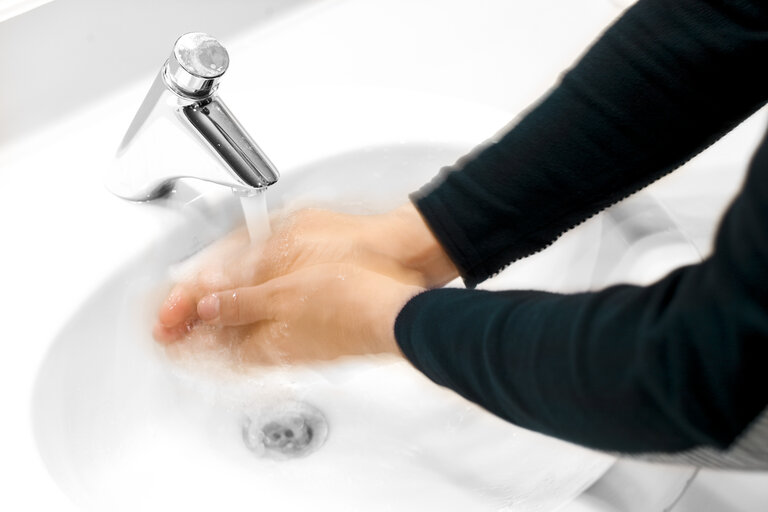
{"points": [[663, 368], [664, 82]]}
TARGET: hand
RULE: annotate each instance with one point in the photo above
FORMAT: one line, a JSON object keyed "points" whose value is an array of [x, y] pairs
{"points": [[317, 313], [397, 244]]}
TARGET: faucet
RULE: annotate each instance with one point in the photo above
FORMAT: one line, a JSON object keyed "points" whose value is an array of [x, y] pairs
{"points": [[184, 130]]}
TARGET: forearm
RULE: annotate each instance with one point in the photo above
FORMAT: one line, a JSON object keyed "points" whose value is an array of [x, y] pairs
{"points": [[618, 370], [663, 83], [665, 368]]}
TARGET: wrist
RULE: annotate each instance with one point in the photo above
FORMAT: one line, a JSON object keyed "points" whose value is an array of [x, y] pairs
{"points": [[389, 314], [409, 240]]}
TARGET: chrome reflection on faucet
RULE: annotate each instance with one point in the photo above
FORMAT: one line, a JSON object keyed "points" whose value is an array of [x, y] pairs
{"points": [[184, 130]]}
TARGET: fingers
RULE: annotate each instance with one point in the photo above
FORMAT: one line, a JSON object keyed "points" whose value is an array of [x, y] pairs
{"points": [[179, 307], [239, 306], [168, 335]]}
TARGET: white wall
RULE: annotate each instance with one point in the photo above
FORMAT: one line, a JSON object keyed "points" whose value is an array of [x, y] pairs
{"points": [[60, 56]]}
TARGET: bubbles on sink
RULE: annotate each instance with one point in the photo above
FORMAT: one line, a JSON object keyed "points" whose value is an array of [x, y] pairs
{"points": [[215, 361]]}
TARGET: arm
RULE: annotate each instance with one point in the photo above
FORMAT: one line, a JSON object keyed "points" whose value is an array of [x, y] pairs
{"points": [[664, 82], [663, 368]]}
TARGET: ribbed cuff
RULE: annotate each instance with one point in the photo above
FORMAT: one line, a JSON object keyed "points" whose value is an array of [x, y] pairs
{"points": [[449, 234]]}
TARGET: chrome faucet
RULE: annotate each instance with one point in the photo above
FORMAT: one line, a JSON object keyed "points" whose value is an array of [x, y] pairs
{"points": [[184, 130]]}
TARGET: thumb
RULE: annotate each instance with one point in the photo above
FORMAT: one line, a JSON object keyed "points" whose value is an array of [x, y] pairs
{"points": [[239, 306]]}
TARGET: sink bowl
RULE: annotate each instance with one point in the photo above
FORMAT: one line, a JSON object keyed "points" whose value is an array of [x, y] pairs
{"points": [[121, 426]]}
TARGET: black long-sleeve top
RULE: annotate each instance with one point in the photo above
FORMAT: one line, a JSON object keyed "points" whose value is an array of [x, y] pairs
{"points": [[668, 367]]}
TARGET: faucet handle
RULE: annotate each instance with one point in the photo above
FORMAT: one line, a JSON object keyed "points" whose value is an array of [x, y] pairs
{"points": [[195, 66]]}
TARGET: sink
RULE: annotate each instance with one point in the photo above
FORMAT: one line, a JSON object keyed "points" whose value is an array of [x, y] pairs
{"points": [[97, 417], [120, 426]]}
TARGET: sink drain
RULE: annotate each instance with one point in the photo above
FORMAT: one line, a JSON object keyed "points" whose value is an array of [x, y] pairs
{"points": [[285, 431]]}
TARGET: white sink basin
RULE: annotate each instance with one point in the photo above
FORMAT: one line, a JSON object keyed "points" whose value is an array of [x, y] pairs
{"points": [[121, 427]]}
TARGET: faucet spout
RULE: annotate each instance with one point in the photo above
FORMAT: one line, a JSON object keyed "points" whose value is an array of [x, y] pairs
{"points": [[183, 129]]}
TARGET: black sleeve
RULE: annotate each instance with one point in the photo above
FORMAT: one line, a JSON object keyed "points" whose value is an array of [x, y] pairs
{"points": [[663, 368], [664, 82]]}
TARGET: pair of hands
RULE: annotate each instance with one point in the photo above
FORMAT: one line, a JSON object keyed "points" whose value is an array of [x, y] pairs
{"points": [[324, 285]]}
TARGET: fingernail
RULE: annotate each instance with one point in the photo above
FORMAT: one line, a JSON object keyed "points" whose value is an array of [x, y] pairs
{"points": [[208, 308]]}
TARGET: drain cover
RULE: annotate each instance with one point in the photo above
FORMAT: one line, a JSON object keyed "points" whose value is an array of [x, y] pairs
{"points": [[285, 431]]}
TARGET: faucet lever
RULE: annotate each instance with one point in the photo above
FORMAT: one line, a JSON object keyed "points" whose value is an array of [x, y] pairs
{"points": [[184, 130]]}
